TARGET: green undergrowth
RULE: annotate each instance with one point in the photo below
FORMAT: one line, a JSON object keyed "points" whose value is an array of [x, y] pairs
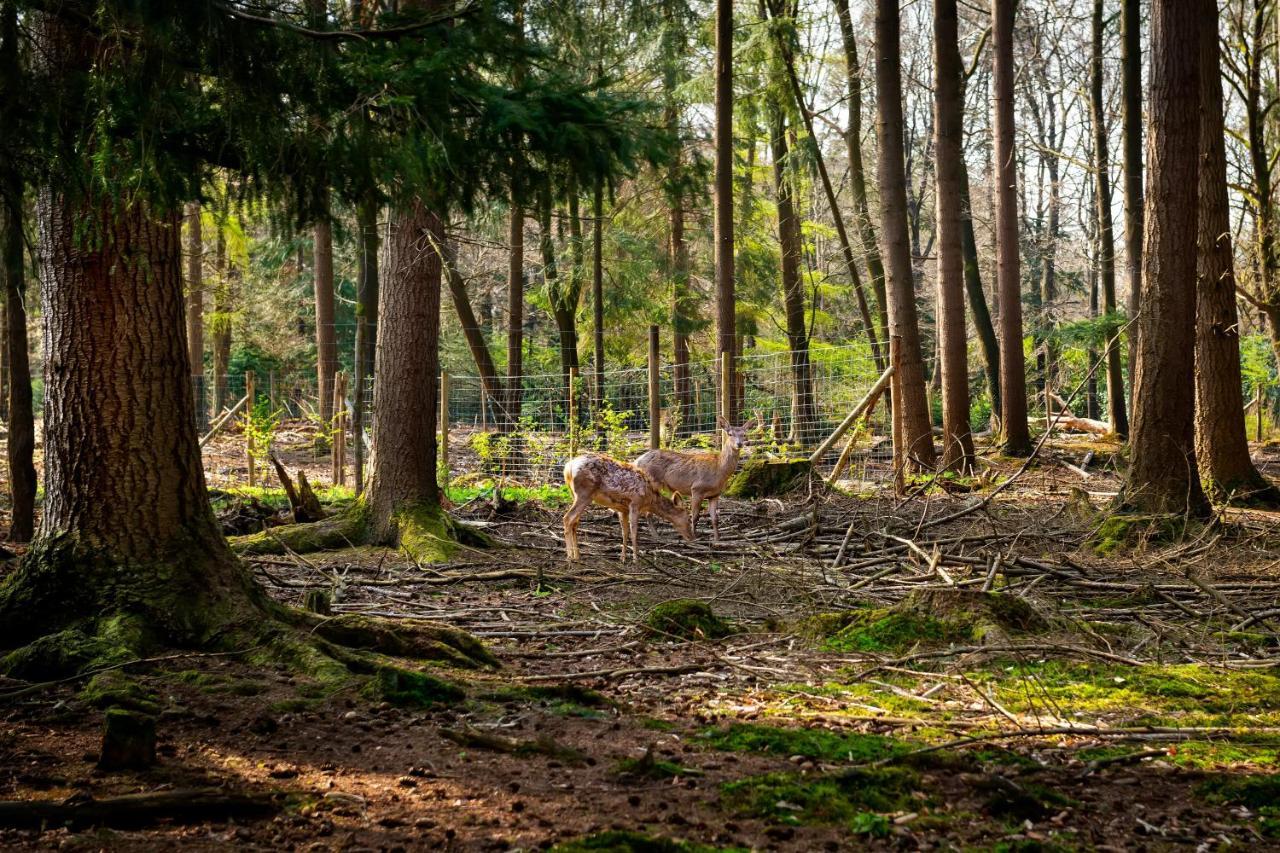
{"points": [[687, 619], [620, 841], [547, 495], [841, 799], [333, 498]]}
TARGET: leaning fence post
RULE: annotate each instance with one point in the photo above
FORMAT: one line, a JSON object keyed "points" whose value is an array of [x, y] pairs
{"points": [[249, 394], [444, 424], [339, 429], [655, 417], [573, 411]]}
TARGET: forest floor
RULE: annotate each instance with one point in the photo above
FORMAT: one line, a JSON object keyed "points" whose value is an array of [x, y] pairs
{"points": [[1025, 676]]}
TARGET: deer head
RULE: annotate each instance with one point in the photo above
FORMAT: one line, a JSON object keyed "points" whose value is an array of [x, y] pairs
{"points": [[735, 438]]}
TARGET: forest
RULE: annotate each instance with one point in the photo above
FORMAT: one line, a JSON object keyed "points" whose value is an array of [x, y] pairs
{"points": [[652, 426]]}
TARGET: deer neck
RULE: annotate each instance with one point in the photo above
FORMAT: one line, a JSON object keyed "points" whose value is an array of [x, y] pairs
{"points": [[728, 460]]}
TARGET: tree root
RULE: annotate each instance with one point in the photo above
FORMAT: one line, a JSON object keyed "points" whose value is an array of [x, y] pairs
{"points": [[544, 745], [340, 531], [407, 640]]}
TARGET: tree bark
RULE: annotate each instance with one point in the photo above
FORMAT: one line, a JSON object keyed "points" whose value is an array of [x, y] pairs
{"points": [[953, 345], [1116, 412], [977, 296], [515, 316], [1162, 473], [908, 380], [1131, 85], [195, 312], [791, 245], [402, 481], [326, 341], [1013, 379], [857, 169], [726, 305], [22, 431], [1222, 446], [366, 322]]}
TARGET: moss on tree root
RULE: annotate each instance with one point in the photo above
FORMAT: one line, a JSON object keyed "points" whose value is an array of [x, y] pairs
{"points": [[762, 478]]}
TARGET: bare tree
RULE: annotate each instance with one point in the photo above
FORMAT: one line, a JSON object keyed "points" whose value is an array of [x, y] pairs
{"points": [[1162, 475], [916, 450], [726, 305], [1131, 84]]}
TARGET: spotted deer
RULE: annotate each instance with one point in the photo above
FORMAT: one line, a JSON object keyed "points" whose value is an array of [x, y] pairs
{"points": [[700, 475], [623, 488]]}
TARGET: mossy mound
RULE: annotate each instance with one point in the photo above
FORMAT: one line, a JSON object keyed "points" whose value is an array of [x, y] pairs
{"points": [[687, 619], [842, 799], [762, 478], [937, 617], [406, 639], [338, 531], [78, 649], [413, 689], [817, 744], [1124, 531], [114, 689]]}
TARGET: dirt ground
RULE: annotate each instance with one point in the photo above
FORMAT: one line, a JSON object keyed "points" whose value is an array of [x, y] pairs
{"points": [[885, 680]]}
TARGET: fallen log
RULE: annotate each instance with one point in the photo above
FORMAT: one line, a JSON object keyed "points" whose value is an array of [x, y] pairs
{"points": [[223, 420], [302, 499], [858, 411], [1071, 422], [133, 810]]}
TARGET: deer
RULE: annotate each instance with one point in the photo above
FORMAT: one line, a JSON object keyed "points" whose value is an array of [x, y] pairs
{"points": [[702, 475], [623, 488]]}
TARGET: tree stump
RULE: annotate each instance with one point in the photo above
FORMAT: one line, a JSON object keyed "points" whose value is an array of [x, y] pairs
{"points": [[128, 741]]}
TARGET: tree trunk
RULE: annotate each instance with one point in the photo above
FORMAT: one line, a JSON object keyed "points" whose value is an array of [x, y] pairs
{"points": [[471, 330], [1013, 378], [791, 245], [562, 290], [126, 526], [195, 313], [22, 431], [515, 317], [1162, 473], [326, 342], [597, 287], [366, 322], [977, 296], [1106, 236], [1222, 446], [726, 306], [402, 485], [908, 381], [222, 307], [953, 345], [1131, 84], [857, 169]]}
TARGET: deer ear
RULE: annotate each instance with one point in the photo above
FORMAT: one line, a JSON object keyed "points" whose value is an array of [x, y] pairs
{"points": [[721, 422]]}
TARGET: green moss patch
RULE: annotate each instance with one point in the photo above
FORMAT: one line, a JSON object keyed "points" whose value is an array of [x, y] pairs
{"points": [[114, 689], [649, 767], [935, 617], [818, 744], [762, 478], [413, 689], [1258, 793], [75, 650], [687, 619], [799, 799], [1125, 531], [635, 842]]}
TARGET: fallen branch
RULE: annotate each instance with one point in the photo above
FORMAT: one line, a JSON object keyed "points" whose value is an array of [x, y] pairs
{"points": [[132, 810]]}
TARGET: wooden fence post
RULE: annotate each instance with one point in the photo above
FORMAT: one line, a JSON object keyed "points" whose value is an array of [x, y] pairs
{"points": [[899, 437], [655, 409], [250, 395], [573, 411], [1257, 405], [271, 391], [444, 424]]}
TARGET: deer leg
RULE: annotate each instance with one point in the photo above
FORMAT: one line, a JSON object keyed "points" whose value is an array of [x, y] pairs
{"points": [[624, 522], [695, 507], [713, 510], [635, 539], [571, 519]]}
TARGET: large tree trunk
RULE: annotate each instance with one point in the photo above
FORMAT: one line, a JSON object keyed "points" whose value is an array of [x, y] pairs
{"points": [[1013, 378], [908, 381], [195, 312], [953, 345], [1106, 235], [1131, 84], [403, 492], [1222, 447], [726, 306], [791, 244], [366, 322], [126, 527], [326, 341], [857, 169], [1162, 473], [681, 315]]}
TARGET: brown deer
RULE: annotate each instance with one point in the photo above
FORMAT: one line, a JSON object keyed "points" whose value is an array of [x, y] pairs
{"points": [[700, 475], [623, 488]]}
